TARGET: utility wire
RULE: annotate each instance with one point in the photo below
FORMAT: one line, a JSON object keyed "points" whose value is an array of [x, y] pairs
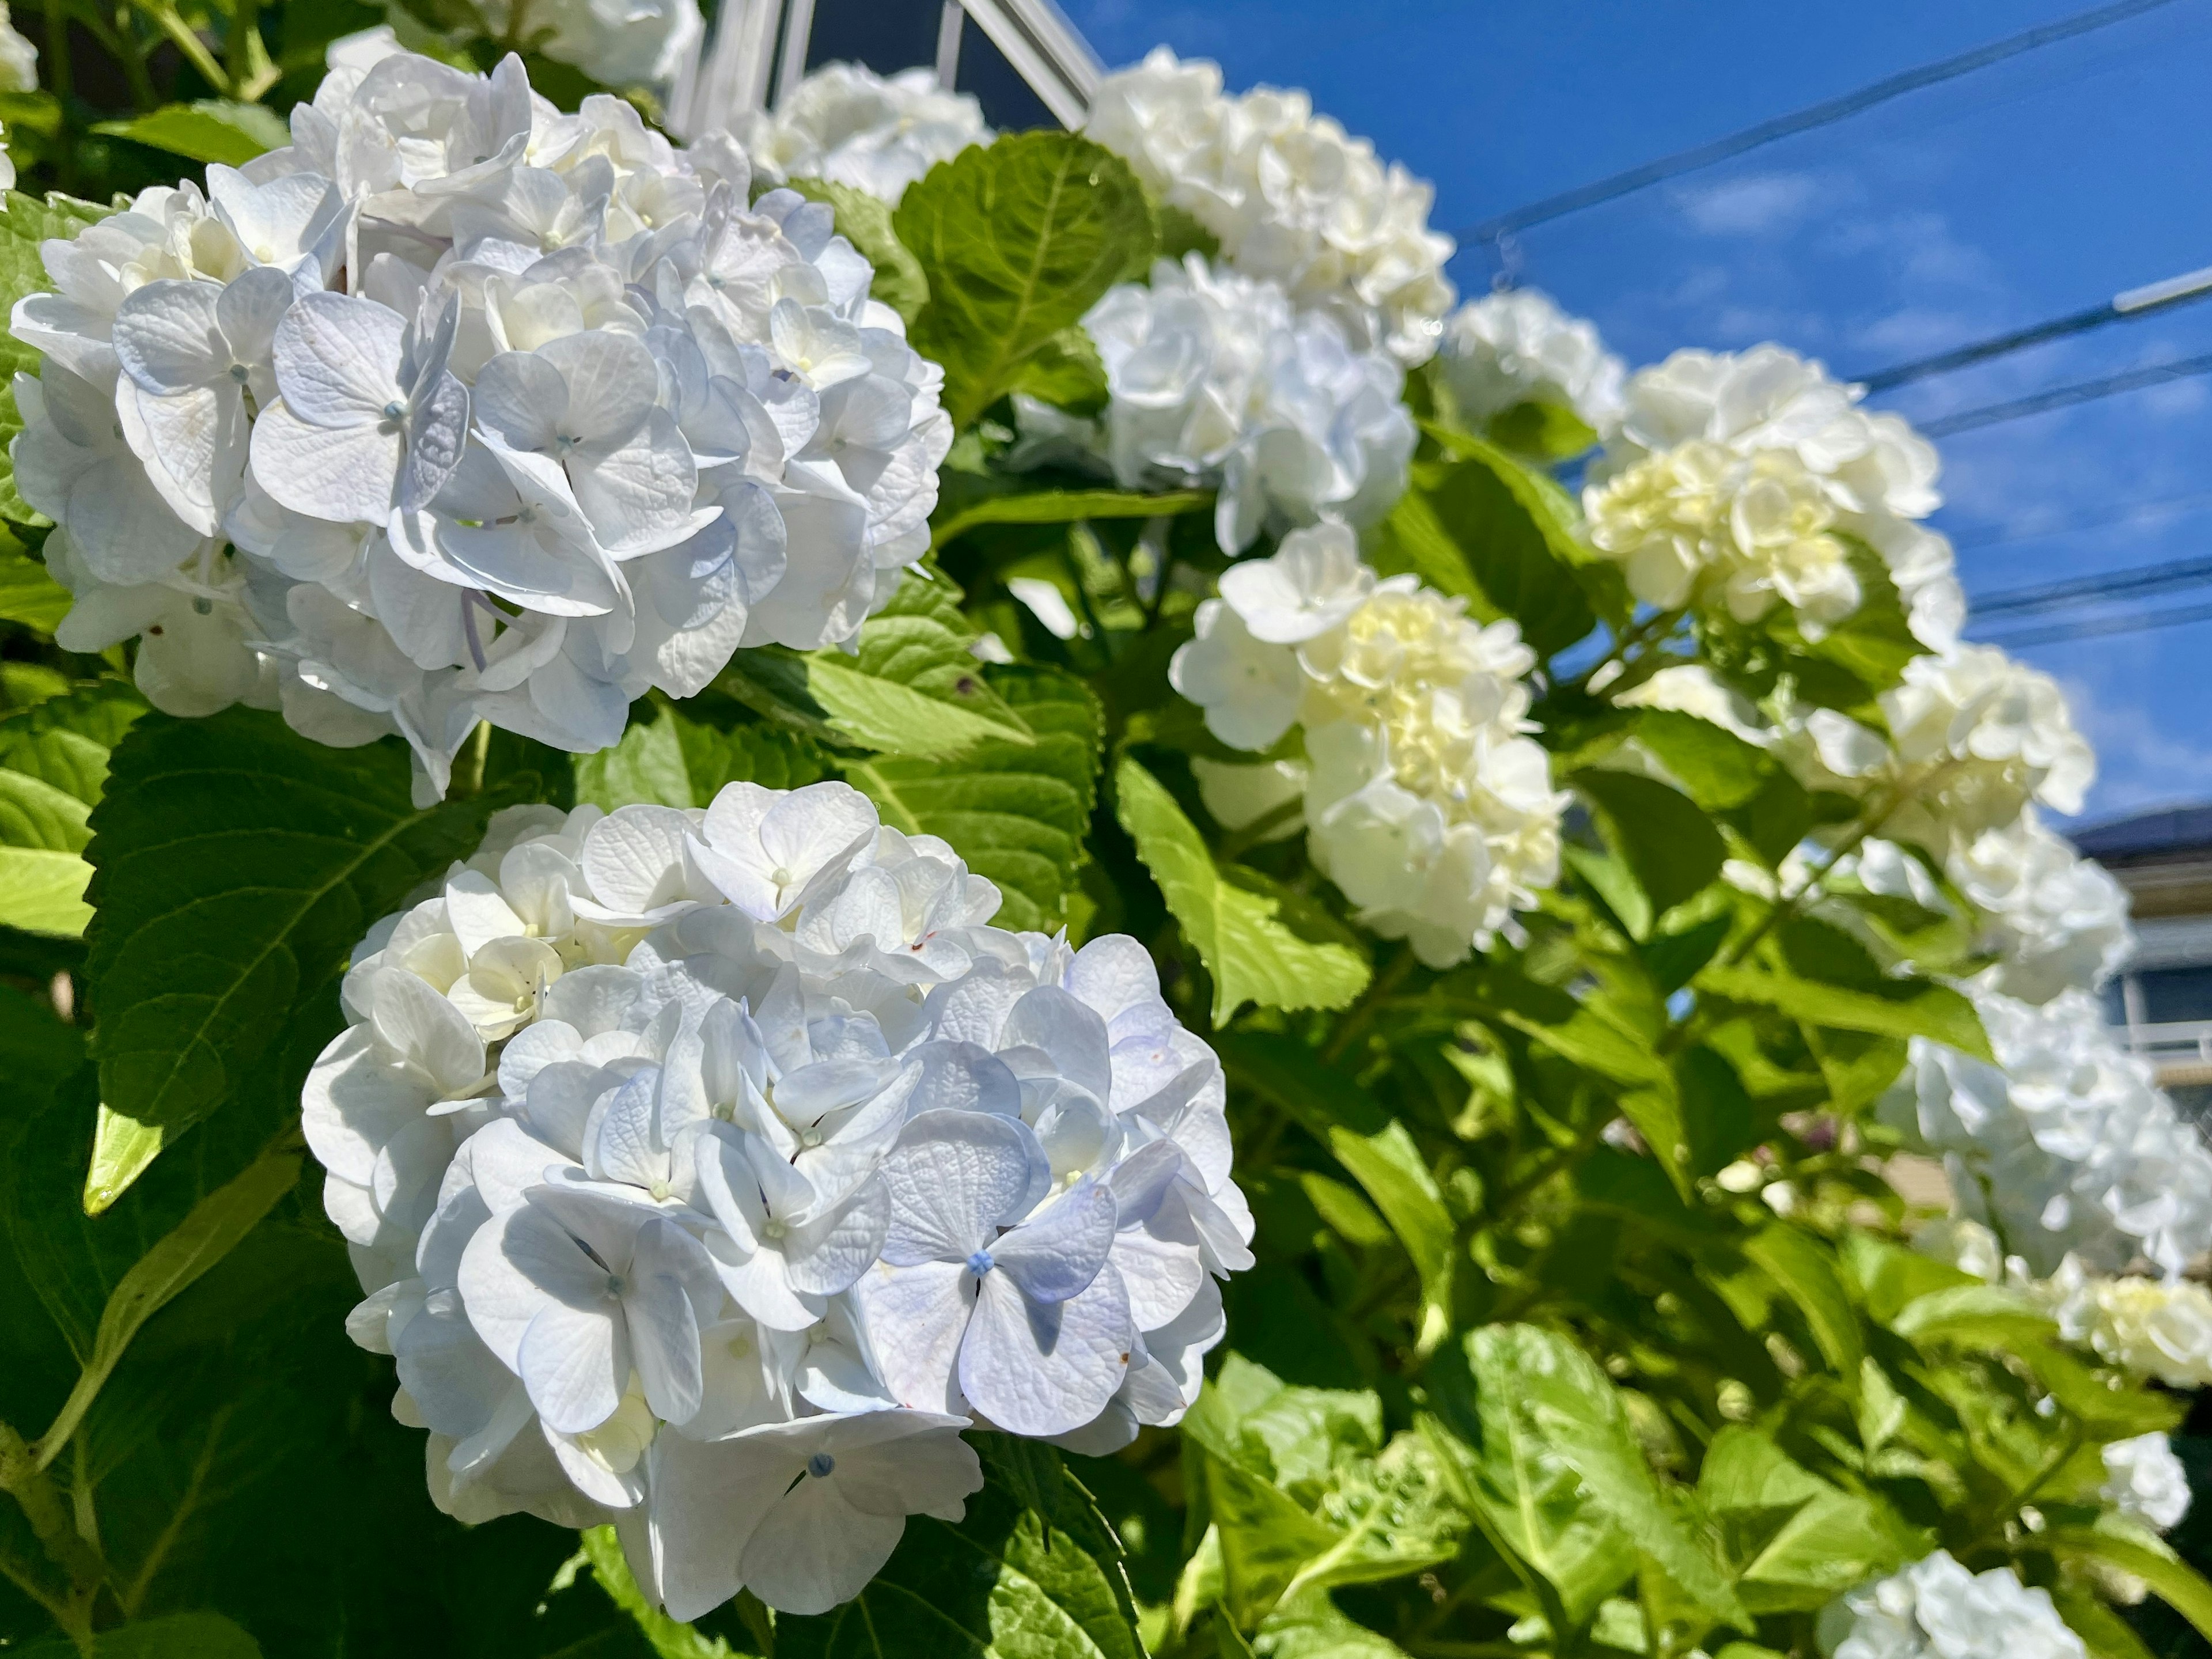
{"points": [[2134, 379], [2143, 301], [2140, 582], [2104, 627], [1804, 120]]}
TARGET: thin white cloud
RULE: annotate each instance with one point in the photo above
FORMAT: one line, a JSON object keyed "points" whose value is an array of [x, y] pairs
{"points": [[1762, 204]]}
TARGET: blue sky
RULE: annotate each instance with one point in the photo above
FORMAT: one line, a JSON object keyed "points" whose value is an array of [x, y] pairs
{"points": [[2019, 193]]}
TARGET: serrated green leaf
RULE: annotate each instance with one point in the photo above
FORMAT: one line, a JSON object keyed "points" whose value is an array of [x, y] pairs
{"points": [[1660, 833], [237, 864], [36, 814], [1261, 943], [1533, 1503], [865, 220], [1017, 813], [911, 688], [1574, 1405], [1507, 528], [667, 758], [1388, 1166], [1017, 240], [1066, 372], [1006, 1584], [210, 129]]}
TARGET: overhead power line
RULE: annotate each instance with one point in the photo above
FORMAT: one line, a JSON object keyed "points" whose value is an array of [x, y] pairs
{"points": [[1804, 120], [2141, 583], [2065, 396], [2120, 308], [2104, 627]]}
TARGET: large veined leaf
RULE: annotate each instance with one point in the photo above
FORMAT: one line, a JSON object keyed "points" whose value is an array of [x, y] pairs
{"points": [[912, 687], [1482, 524], [1806, 982], [238, 864], [1573, 1406], [667, 758], [1531, 1500], [1016, 812], [1007, 1582], [1016, 241], [25, 223], [1262, 943]]}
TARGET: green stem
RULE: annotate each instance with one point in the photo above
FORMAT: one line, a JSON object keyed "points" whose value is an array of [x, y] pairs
{"points": [[469, 771], [1785, 909], [59, 73], [195, 49], [237, 49], [1653, 627], [1363, 1011], [34, 1490], [1238, 841]]}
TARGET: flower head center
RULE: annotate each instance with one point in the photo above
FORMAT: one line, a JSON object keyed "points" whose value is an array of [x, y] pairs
{"points": [[820, 1465], [980, 1263]]}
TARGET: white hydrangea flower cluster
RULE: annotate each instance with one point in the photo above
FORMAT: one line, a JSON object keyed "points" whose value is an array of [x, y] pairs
{"points": [[1425, 799], [1288, 194], [618, 43], [1734, 476], [2064, 1147], [2055, 920], [19, 61], [1976, 738], [1219, 381], [2159, 1328], [709, 1171], [852, 127], [2145, 1481], [1518, 347], [1936, 1609], [459, 408]]}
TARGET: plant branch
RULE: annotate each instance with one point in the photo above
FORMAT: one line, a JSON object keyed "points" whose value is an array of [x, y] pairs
{"points": [[1262, 828], [1379, 989]]}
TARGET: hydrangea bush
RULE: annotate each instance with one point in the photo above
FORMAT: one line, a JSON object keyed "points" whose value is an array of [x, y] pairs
{"points": [[865, 888]]}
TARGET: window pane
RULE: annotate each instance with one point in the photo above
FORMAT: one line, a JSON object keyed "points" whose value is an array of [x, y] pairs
{"points": [[2176, 993]]}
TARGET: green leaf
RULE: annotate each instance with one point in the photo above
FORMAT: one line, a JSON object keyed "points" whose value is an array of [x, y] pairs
{"points": [[1664, 837], [1017, 240], [1532, 1501], [43, 892], [1876, 641], [2146, 1555], [36, 814], [1261, 943], [865, 220], [1311, 1626], [1266, 1538], [210, 129], [1067, 507], [1016, 812], [1068, 372], [1388, 1166], [1899, 1008], [27, 595], [912, 688], [1509, 529], [1801, 1265], [1715, 766], [667, 758], [238, 864], [1795, 1540], [1573, 1404], [208, 1233], [25, 223], [65, 740], [1006, 1584], [668, 1639]]}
